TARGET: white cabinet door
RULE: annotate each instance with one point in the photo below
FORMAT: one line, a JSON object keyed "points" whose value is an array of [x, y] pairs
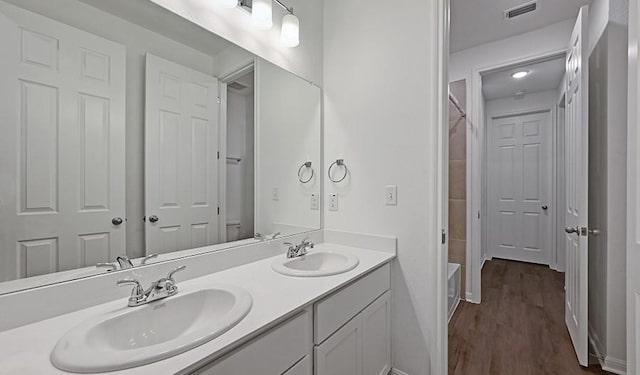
{"points": [[341, 354], [181, 162], [62, 147], [376, 337]]}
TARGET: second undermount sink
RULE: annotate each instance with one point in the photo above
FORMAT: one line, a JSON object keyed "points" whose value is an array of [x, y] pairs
{"points": [[137, 336], [315, 264]]}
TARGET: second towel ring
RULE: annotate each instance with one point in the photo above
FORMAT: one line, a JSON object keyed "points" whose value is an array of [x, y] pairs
{"points": [[304, 165], [340, 163]]}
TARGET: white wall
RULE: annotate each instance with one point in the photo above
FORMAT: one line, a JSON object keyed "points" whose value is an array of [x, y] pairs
{"points": [[137, 41], [607, 194], [537, 100], [235, 25], [288, 134], [380, 85]]}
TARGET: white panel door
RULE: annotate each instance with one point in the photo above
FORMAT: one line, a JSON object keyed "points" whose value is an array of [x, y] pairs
{"points": [[181, 162], [62, 176], [576, 177], [341, 353], [519, 189], [376, 337]]}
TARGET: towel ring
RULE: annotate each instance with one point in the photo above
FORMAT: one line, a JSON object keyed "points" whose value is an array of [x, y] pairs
{"points": [[340, 163], [305, 165]]}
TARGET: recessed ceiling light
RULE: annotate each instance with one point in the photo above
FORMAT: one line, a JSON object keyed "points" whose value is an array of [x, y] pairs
{"points": [[520, 74]]}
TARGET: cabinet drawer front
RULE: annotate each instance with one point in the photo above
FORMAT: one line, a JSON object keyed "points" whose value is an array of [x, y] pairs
{"points": [[301, 368], [334, 311], [273, 353]]}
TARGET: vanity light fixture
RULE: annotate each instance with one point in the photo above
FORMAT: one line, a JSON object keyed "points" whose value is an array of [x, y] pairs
{"points": [[227, 3], [290, 33], [520, 74], [262, 14]]}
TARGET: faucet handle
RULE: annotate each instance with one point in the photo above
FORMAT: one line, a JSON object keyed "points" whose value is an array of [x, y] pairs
{"points": [[178, 269], [137, 289], [147, 258]]}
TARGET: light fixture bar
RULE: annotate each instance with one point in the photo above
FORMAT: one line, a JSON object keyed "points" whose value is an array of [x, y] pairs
{"points": [[288, 9]]}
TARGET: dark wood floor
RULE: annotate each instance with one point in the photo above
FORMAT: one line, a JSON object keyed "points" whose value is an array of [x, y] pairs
{"points": [[517, 329]]}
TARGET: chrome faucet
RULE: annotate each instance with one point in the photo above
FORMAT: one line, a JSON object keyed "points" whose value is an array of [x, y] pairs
{"points": [[123, 262], [162, 288], [299, 250]]}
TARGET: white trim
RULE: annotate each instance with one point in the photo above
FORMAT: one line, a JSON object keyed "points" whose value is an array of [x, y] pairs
{"points": [[632, 189], [395, 371], [476, 162], [439, 329], [608, 363]]}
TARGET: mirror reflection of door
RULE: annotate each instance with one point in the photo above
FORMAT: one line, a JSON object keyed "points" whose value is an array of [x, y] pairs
{"points": [[62, 162], [181, 157]]}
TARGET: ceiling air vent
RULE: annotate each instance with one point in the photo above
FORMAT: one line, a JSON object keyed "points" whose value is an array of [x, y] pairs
{"points": [[237, 86], [520, 10]]}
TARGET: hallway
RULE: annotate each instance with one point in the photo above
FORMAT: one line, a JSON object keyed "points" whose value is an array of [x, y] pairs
{"points": [[519, 327]]}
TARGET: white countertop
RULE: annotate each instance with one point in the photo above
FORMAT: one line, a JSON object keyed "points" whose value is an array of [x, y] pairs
{"points": [[25, 350]]}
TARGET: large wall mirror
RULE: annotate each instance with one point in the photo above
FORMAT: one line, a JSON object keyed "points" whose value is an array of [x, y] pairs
{"points": [[131, 136]]}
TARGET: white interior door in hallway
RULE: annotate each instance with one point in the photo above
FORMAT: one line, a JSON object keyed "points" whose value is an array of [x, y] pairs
{"points": [[62, 182], [576, 183], [181, 157], [519, 187]]}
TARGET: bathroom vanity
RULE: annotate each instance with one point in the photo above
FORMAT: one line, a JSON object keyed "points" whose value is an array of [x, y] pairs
{"points": [[296, 325]]}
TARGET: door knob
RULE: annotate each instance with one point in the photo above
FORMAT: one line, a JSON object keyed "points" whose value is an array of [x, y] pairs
{"points": [[153, 219], [117, 221], [571, 230], [545, 207]]}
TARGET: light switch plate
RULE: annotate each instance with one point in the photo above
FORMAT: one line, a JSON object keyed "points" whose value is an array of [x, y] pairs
{"points": [[333, 202], [315, 202], [391, 195]]}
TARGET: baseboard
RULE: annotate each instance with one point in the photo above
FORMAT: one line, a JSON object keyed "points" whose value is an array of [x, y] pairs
{"points": [[608, 363], [485, 258], [614, 365], [395, 371]]}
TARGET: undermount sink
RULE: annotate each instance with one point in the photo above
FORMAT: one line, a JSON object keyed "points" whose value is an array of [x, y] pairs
{"points": [[315, 264], [138, 336]]}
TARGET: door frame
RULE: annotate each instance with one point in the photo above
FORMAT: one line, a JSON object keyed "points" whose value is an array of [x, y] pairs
{"points": [[633, 188], [552, 229], [235, 73], [476, 171]]}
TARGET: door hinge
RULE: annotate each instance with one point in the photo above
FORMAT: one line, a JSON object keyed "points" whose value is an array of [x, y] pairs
{"points": [[218, 100], [218, 155], [218, 210], [444, 237]]}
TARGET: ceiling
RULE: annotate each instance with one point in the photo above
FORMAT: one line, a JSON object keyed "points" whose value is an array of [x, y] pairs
{"points": [[543, 76], [475, 22]]}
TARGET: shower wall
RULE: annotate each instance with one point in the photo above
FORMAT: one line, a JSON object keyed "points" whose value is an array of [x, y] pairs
{"points": [[458, 180]]}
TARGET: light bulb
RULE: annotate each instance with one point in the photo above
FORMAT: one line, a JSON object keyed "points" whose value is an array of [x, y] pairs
{"points": [[290, 34], [261, 13], [227, 3], [520, 74]]}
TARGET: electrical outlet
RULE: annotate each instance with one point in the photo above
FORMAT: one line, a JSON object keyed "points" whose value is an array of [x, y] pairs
{"points": [[333, 202], [275, 194], [391, 195], [315, 202]]}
